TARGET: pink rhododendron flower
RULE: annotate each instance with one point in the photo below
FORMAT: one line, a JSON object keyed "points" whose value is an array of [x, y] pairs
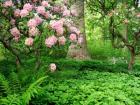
{"points": [[16, 38], [57, 9], [13, 21], [44, 3], [50, 41], [32, 23], [46, 14], [28, 7], [24, 13], [15, 32], [33, 31], [52, 67], [17, 13], [29, 41], [62, 40], [74, 29], [59, 31], [73, 37], [56, 24], [41, 10], [8, 3], [38, 20], [66, 13]]}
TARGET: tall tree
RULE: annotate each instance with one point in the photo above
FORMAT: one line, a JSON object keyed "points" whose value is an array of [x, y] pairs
{"points": [[123, 23], [79, 52]]}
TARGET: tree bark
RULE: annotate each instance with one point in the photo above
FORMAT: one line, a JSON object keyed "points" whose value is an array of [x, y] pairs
{"points": [[38, 61], [132, 58], [79, 22]]}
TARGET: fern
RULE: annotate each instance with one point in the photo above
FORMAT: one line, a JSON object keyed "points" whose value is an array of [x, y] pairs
{"points": [[11, 100], [14, 82], [4, 86], [33, 90]]}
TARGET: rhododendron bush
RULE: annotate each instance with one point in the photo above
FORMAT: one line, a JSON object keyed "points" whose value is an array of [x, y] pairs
{"points": [[30, 26]]}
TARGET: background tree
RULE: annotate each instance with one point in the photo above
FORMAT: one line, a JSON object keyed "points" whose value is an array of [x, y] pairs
{"points": [[123, 23], [79, 51]]}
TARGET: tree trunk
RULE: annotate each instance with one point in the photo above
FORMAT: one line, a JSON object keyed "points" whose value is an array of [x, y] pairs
{"points": [[79, 22], [38, 61], [132, 58]]}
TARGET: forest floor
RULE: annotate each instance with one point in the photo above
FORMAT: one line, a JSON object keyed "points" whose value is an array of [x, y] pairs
{"points": [[92, 82], [92, 87]]}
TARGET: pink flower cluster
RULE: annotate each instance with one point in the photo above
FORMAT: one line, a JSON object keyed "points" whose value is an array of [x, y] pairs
{"points": [[62, 40], [13, 21], [38, 20], [52, 67], [66, 13], [41, 10], [57, 9], [34, 22], [44, 3], [16, 33], [33, 31], [45, 11], [57, 26], [24, 13], [29, 41], [75, 30], [28, 7], [17, 13], [8, 3], [50, 41], [73, 37]]}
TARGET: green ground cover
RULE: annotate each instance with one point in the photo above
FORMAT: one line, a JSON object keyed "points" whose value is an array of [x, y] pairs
{"points": [[90, 87]]}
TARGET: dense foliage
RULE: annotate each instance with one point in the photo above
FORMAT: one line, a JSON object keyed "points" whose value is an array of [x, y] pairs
{"points": [[91, 88]]}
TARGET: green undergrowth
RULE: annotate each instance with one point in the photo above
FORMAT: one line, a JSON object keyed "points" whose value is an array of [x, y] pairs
{"points": [[73, 87], [76, 82], [92, 65]]}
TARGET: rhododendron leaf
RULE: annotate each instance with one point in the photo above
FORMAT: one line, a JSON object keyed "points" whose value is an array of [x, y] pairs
{"points": [[50, 52]]}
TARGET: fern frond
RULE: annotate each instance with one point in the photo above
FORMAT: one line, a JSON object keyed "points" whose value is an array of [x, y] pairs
{"points": [[14, 82], [11, 100], [4, 86], [33, 90]]}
